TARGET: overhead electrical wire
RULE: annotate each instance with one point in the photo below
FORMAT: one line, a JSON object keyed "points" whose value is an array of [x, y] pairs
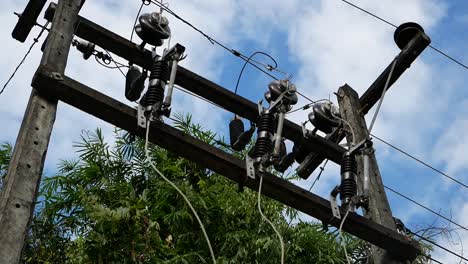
{"points": [[439, 246], [425, 207], [420, 161], [35, 40], [393, 25], [230, 50], [148, 158]]}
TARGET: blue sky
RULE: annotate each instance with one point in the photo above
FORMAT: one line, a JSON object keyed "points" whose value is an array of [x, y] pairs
{"points": [[324, 44]]}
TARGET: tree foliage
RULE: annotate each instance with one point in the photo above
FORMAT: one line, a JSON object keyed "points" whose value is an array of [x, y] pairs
{"points": [[109, 206]]}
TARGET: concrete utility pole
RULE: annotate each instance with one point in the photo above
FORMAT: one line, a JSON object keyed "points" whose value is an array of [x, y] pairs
{"points": [[379, 208], [19, 195]]}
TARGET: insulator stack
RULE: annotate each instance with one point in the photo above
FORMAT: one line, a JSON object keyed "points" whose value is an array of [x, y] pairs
{"points": [[160, 71], [236, 128], [158, 78], [266, 128], [348, 188], [154, 94]]}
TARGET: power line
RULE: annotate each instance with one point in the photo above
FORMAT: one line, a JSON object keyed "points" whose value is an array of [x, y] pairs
{"points": [[439, 246], [393, 25], [36, 39], [430, 258], [210, 39], [425, 207], [420, 161]]}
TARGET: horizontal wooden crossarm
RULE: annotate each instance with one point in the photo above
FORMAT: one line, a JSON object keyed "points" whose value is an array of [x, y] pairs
{"points": [[121, 115]]}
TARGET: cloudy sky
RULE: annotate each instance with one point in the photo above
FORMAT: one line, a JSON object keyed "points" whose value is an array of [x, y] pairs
{"points": [[324, 44]]}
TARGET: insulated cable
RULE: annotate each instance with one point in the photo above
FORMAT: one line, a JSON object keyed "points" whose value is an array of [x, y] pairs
{"points": [[36, 39], [267, 220], [148, 158]]}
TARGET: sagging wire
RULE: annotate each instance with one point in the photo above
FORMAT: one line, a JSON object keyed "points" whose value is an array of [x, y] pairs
{"points": [[143, 2], [382, 97], [148, 158], [353, 135], [106, 59], [340, 233], [280, 237], [214, 41], [267, 66], [36, 40]]}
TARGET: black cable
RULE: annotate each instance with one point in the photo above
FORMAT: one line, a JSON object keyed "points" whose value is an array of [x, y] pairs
{"points": [[369, 13], [320, 174], [439, 246], [36, 39], [310, 188], [393, 25], [115, 62], [212, 40], [425, 207], [143, 2], [248, 60], [420, 161], [429, 257]]}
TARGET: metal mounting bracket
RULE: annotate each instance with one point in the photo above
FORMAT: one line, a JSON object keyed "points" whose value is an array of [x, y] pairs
{"points": [[334, 204], [141, 118], [250, 166]]}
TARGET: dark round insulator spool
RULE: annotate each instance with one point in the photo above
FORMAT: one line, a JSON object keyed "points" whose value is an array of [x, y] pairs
{"points": [[299, 153], [132, 93], [405, 33], [160, 70], [151, 31], [348, 164], [348, 188], [262, 146], [236, 128], [266, 122]]}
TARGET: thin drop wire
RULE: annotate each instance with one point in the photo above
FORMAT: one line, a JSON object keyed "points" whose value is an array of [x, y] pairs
{"points": [[148, 158], [393, 25], [310, 189], [382, 97], [353, 135], [420, 161], [36, 39], [342, 240], [212, 40], [143, 2], [247, 61], [267, 220], [115, 62]]}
